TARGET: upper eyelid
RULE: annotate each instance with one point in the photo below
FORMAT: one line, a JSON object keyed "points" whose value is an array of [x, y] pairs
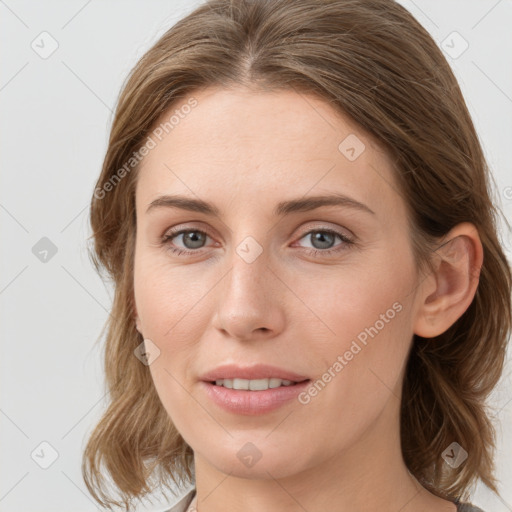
{"points": [[346, 242], [340, 231]]}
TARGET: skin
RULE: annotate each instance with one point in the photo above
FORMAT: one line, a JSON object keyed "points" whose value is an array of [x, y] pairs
{"points": [[245, 151]]}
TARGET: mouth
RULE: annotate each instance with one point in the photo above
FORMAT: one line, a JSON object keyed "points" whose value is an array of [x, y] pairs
{"points": [[252, 378], [255, 384]]}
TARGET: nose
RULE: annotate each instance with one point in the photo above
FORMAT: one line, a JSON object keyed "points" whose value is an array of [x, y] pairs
{"points": [[250, 301]]}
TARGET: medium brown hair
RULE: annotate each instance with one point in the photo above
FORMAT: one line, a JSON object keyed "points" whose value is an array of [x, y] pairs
{"points": [[371, 60]]}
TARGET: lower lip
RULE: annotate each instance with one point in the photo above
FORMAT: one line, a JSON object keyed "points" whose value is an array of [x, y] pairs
{"points": [[253, 403]]}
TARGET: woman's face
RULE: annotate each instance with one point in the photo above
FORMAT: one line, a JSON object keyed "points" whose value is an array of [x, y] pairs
{"points": [[328, 293]]}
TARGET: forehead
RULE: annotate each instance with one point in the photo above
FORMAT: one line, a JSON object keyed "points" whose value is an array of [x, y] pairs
{"points": [[245, 143]]}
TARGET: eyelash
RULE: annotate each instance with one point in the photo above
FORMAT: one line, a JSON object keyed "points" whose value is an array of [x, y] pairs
{"points": [[347, 242]]}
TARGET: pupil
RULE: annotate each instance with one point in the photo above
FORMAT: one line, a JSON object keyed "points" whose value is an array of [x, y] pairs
{"points": [[320, 236], [195, 237]]}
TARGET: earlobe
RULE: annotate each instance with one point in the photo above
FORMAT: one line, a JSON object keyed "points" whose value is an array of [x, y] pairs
{"points": [[138, 325], [457, 264]]}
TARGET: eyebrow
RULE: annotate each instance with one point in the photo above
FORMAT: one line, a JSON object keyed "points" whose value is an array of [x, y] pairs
{"points": [[284, 208]]}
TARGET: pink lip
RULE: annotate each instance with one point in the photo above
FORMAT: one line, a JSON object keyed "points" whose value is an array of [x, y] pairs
{"points": [[251, 403], [259, 371]]}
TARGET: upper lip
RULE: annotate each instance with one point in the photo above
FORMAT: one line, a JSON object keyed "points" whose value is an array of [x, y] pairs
{"points": [[258, 371]]}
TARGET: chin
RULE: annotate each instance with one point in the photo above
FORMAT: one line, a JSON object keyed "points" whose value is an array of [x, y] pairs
{"points": [[255, 461]]}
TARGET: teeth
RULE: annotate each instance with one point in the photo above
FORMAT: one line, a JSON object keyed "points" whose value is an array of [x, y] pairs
{"points": [[253, 384]]}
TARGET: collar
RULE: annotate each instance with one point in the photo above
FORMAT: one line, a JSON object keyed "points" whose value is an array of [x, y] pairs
{"points": [[184, 502]]}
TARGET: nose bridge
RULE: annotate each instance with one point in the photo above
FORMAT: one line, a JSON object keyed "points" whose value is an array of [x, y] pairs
{"points": [[249, 299], [248, 271]]}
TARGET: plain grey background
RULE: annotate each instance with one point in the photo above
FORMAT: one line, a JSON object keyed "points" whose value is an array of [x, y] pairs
{"points": [[62, 68]]}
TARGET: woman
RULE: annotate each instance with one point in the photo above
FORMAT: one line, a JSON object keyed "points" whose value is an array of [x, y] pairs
{"points": [[311, 302]]}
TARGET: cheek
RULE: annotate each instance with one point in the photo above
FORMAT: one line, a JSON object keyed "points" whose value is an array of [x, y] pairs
{"points": [[344, 302], [167, 297], [369, 320]]}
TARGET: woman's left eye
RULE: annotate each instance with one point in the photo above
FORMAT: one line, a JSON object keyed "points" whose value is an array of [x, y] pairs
{"points": [[318, 236], [195, 238]]}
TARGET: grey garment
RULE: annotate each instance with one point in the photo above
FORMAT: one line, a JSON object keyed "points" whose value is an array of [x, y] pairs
{"points": [[467, 507], [184, 502]]}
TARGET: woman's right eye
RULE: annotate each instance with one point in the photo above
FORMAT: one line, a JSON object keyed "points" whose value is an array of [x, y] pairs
{"points": [[193, 237]]}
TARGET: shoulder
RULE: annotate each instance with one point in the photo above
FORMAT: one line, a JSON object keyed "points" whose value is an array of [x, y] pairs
{"points": [[183, 503], [467, 507]]}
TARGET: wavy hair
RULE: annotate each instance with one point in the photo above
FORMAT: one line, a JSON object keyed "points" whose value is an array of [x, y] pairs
{"points": [[373, 61]]}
